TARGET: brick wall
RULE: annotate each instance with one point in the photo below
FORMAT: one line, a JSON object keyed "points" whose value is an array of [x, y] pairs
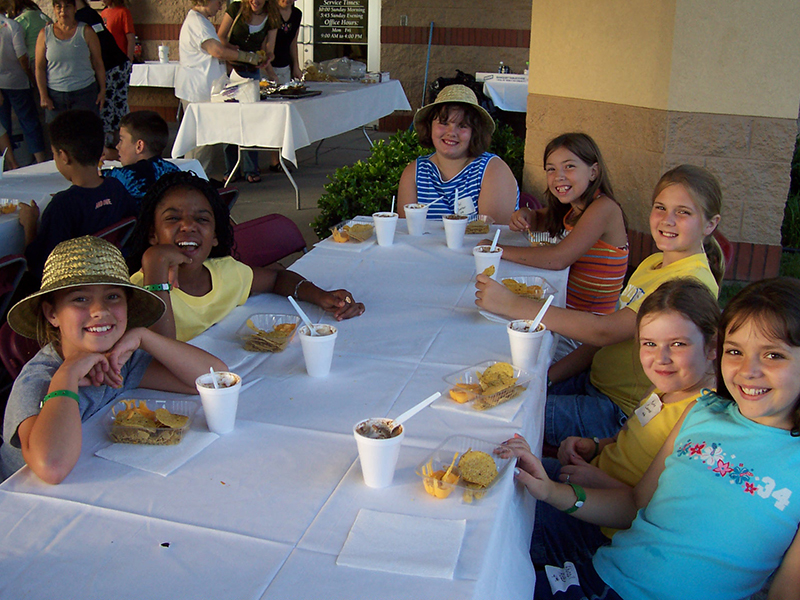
{"points": [[470, 36]]}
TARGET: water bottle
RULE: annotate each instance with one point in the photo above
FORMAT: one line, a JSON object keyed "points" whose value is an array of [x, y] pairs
{"points": [[501, 68]]}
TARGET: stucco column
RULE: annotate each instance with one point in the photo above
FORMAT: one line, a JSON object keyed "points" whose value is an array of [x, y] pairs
{"points": [[662, 82]]}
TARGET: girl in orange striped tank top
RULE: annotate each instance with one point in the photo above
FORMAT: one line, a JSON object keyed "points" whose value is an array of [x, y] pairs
{"points": [[579, 203]]}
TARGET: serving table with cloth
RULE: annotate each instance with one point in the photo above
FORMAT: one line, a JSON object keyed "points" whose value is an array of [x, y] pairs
{"points": [[153, 73], [39, 182], [509, 92], [269, 511], [286, 125]]}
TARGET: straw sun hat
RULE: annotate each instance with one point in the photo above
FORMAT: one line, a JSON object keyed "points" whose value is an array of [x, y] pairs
{"points": [[459, 94], [86, 260]]}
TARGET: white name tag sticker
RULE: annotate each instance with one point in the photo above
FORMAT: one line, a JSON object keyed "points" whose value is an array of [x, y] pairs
{"points": [[98, 28], [561, 579], [649, 409], [465, 206]]}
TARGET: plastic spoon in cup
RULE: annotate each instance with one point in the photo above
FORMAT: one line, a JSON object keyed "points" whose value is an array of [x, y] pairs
{"points": [[540, 314], [213, 378], [392, 211], [311, 327], [494, 241], [389, 428]]}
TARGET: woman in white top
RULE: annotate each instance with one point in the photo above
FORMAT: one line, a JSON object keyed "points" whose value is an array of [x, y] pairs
{"points": [[202, 55]]}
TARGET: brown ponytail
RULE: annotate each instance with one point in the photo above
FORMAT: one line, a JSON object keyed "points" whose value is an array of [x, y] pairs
{"points": [[716, 259]]}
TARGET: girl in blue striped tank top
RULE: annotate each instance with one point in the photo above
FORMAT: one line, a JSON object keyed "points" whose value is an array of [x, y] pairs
{"points": [[460, 131]]}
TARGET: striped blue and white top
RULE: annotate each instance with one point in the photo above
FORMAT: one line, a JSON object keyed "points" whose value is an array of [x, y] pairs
{"points": [[440, 195]]}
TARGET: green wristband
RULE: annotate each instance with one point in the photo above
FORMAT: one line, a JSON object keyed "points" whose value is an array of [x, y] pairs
{"points": [[580, 494], [158, 287], [596, 441], [57, 393]]}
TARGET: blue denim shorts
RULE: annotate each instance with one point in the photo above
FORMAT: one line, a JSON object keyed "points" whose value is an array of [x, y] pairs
{"points": [[575, 407]]}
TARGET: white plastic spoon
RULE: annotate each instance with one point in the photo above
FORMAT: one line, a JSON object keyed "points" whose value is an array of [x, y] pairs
{"points": [[311, 327], [494, 241], [395, 423], [393, 198], [214, 378], [540, 314]]}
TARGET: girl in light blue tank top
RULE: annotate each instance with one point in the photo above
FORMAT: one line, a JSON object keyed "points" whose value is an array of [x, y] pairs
{"points": [[718, 511], [460, 132]]}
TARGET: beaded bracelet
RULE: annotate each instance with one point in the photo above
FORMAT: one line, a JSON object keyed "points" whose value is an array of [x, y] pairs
{"points": [[158, 287], [58, 393], [297, 287]]}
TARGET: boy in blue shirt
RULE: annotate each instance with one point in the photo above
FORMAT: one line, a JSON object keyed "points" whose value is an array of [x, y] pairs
{"points": [[143, 136], [89, 205]]}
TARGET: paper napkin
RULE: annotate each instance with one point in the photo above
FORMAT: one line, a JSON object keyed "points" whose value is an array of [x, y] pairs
{"points": [[393, 543], [161, 460]]}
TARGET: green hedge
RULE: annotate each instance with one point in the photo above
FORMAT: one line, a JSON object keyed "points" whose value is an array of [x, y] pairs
{"points": [[790, 231], [368, 186]]}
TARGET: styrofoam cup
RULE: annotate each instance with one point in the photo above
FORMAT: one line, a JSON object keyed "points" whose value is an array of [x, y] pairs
{"points": [[318, 349], [378, 457], [163, 54], [416, 218], [455, 226], [525, 344], [485, 259], [385, 224], [219, 404]]}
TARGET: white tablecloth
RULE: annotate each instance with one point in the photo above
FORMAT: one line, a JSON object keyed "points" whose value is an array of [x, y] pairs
{"points": [[39, 182], [507, 94], [289, 124], [263, 512], [154, 74]]}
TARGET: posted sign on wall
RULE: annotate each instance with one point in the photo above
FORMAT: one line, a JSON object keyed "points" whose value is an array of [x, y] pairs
{"points": [[340, 22]]}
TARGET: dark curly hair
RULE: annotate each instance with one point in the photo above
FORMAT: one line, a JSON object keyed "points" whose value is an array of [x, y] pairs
{"points": [[185, 181]]}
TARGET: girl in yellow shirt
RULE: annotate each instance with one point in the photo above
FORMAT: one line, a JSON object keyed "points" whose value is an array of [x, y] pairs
{"points": [[676, 336]]}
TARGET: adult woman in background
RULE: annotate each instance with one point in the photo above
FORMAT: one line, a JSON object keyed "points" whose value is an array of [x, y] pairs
{"points": [[28, 14], [69, 67], [249, 25], [285, 66], [201, 52], [118, 75], [119, 22], [15, 85]]}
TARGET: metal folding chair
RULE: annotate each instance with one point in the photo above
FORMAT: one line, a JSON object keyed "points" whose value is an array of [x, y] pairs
{"points": [[266, 240], [119, 232], [12, 267]]}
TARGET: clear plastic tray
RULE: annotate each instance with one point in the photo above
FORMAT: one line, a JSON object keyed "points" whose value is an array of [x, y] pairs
{"points": [[547, 288], [160, 436], [541, 238], [481, 401], [442, 456], [253, 341], [368, 230], [481, 219]]}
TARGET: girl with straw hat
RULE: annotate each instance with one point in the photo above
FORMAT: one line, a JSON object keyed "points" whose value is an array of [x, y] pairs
{"points": [[460, 169], [92, 322]]}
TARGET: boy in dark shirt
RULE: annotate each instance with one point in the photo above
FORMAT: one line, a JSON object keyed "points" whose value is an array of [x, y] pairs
{"points": [[143, 135], [89, 205]]}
